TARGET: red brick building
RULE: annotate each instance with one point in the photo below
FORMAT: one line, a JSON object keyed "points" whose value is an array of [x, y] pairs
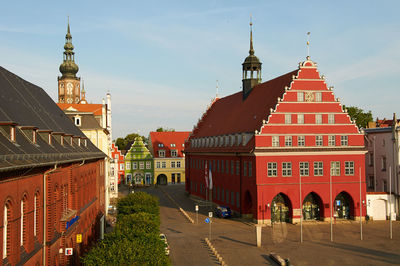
{"points": [[272, 140], [51, 179]]}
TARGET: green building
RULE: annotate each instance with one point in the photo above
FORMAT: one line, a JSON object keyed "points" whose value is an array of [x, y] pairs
{"points": [[139, 166]]}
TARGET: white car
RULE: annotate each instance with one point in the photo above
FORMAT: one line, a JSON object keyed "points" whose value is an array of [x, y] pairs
{"points": [[164, 239]]}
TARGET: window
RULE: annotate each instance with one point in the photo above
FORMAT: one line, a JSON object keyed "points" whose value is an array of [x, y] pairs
{"points": [[222, 166], [250, 169], [128, 166], [174, 153], [318, 168], [173, 145], [383, 160], [304, 170], [232, 198], [286, 169], [232, 167], [163, 165], [288, 119], [77, 120], [227, 167], [158, 164], [35, 214], [344, 140], [301, 141], [161, 153], [172, 164], [160, 145], [218, 166], [371, 158], [272, 169], [22, 214], [116, 156], [384, 186], [331, 141], [331, 119], [237, 168], [121, 167], [300, 119], [319, 141], [178, 164], [371, 181], [244, 168], [275, 141], [237, 200], [148, 165], [335, 168], [300, 96], [349, 168], [318, 96], [135, 165], [5, 230], [318, 119], [288, 141]]}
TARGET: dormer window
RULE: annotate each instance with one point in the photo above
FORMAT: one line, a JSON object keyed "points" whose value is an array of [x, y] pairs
{"points": [[160, 145], [12, 134], [161, 153], [34, 135], [174, 153], [78, 121], [172, 144]]}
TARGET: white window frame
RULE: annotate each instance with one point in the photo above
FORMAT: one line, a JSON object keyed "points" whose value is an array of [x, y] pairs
{"points": [[128, 166], [158, 164], [300, 96], [318, 119], [300, 119], [335, 168], [172, 164], [161, 153], [148, 165], [5, 229], [331, 140], [174, 153], [288, 118], [141, 165], [286, 169], [272, 169], [301, 141], [318, 96], [318, 168], [344, 140], [349, 168], [275, 141], [163, 164], [304, 168], [121, 167], [331, 118], [178, 164], [288, 141], [319, 140]]}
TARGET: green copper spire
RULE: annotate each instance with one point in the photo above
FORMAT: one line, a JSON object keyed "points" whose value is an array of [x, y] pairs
{"points": [[68, 68]]}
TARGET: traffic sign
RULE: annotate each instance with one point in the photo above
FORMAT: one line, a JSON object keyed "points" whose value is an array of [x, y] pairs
{"points": [[207, 220], [68, 251], [78, 238], [210, 214]]}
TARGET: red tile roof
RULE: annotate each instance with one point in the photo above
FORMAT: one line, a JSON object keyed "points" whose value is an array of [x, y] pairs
{"points": [[96, 109], [232, 114], [167, 138]]}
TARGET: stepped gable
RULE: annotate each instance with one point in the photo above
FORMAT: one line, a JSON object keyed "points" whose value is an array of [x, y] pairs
{"points": [[28, 109], [232, 114], [309, 81]]}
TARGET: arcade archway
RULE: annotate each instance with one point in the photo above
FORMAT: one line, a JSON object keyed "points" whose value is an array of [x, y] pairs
{"points": [[281, 209], [343, 206], [161, 179], [312, 207]]}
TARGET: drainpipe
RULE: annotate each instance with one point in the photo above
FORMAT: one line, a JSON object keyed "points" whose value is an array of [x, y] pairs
{"points": [[46, 173]]}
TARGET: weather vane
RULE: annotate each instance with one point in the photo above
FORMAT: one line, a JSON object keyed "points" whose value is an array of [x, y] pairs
{"points": [[308, 44]]}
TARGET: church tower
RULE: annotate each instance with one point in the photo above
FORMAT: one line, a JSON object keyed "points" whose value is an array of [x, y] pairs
{"points": [[251, 69], [69, 83]]}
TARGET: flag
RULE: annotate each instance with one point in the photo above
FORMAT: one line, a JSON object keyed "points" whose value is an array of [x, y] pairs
{"points": [[206, 174], [210, 177]]}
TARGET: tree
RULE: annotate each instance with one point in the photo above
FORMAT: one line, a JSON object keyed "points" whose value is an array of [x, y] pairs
{"points": [[359, 115], [161, 129], [122, 143]]}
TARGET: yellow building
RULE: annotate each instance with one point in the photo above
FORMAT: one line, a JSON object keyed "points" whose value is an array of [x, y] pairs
{"points": [[169, 160]]}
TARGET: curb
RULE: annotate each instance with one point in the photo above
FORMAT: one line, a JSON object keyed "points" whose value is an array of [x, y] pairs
{"points": [[176, 204], [216, 254]]}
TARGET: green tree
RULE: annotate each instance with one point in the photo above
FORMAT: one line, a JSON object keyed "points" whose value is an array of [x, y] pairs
{"points": [[161, 129], [359, 115], [122, 143]]}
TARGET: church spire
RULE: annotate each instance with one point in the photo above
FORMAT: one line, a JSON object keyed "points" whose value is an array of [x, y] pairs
{"points": [[68, 68], [251, 68]]}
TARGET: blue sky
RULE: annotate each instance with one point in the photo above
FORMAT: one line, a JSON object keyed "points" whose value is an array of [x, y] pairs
{"points": [[160, 59]]}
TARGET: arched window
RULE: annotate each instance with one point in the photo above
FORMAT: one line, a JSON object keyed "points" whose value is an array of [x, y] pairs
{"points": [[5, 230], [35, 214], [23, 220]]}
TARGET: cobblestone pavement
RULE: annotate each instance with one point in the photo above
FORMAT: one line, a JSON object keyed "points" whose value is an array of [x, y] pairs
{"points": [[235, 239]]}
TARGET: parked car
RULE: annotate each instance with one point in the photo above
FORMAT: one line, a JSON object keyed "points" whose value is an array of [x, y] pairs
{"points": [[223, 212], [164, 239]]}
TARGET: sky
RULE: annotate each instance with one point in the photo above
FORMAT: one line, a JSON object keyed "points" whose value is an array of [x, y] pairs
{"points": [[161, 60]]}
